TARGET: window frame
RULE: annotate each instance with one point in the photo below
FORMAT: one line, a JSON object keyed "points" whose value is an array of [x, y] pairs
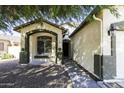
{"points": [[44, 39]]}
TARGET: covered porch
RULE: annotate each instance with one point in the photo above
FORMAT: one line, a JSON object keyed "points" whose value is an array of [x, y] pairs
{"points": [[41, 41]]}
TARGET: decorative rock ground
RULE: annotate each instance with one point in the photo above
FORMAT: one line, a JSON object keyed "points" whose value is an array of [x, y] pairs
{"points": [[40, 76]]}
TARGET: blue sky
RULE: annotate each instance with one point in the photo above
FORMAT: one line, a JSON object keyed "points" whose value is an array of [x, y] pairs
{"points": [[13, 33]]}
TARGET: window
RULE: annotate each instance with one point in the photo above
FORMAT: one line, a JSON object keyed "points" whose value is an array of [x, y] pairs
{"points": [[1, 46], [44, 44]]}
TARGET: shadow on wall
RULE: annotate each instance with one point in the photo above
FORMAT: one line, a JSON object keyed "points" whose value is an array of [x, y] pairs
{"points": [[84, 52], [35, 77]]}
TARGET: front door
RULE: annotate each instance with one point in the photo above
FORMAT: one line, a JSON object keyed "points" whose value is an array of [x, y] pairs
{"points": [[65, 49]]}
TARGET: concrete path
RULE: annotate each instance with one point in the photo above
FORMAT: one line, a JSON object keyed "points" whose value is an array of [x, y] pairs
{"points": [[15, 75], [79, 78], [121, 84]]}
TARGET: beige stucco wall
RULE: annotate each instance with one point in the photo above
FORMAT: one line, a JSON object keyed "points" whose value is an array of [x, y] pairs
{"points": [[44, 26], [109, 66], [85, 44], [87, 41], [108, 19]]}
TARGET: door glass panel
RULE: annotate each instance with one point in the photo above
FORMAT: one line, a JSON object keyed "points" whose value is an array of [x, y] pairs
{"points": [[44, 44]]}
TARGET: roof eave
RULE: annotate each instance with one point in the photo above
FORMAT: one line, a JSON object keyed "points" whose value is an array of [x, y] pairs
{"points": [[84, 22], [32, 22]]}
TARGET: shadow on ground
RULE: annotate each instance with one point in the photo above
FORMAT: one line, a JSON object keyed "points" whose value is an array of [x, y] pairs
{"points": [[80, 79], [52, 76]]}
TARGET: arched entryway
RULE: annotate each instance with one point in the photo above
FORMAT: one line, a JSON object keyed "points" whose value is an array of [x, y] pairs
{"points": [[36, 43]]}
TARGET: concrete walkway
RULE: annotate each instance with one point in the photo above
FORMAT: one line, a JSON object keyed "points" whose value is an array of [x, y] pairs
{"points": [[79, 77]]}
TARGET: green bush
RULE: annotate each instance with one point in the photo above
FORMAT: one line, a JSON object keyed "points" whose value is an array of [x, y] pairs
{"points": [[7, 56]]}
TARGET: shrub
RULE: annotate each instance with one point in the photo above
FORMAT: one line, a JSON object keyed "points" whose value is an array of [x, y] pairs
{"points": [[7, 56]]}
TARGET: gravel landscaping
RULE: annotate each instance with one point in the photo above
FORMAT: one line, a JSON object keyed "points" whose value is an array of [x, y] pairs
{"points": [[41, 76]]}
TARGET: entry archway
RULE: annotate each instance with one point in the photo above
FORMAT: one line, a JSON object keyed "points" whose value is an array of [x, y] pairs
{"points": [[27, 41]]}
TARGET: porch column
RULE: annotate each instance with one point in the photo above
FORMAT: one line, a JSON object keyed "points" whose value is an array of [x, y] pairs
{"points": [[24, 54], [27, 47]]}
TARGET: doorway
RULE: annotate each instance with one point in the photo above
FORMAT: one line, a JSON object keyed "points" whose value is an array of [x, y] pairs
{"points": [[66, 49]]}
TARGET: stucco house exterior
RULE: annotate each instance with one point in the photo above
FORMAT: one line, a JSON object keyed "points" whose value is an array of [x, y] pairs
{"points": [[4, 46], [42, 41], [9, 44], [98, 45]]}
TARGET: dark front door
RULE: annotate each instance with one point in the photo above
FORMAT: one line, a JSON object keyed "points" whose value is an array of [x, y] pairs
{"points": [[66, 49]]}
